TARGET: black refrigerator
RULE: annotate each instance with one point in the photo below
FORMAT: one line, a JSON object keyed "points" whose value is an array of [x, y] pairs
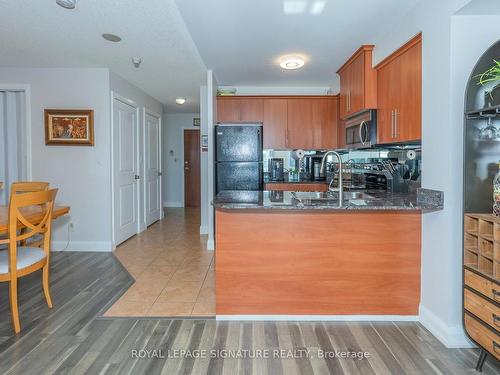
{"points": [[238, 157]]}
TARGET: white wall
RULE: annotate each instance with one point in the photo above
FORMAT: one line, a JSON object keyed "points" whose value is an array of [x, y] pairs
{"points": [[80, 173], [173, 156], [143, 101], [204, 162], [211, 100], [444, 74]]}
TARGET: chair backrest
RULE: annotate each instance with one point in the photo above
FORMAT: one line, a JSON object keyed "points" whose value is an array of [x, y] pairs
{"points": [[32, 211], [28, 186]]}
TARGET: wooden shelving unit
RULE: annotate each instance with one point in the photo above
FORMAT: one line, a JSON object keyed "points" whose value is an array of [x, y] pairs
{"points": [[482, 244], [482, 282]]}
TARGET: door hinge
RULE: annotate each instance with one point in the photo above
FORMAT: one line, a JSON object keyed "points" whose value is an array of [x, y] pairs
{"points": [[137, 177], [160, 174]]}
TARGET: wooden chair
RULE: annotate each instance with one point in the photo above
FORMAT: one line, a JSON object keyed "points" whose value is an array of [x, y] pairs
{"points": [[18, 261], [28, 186], [21, 187]]}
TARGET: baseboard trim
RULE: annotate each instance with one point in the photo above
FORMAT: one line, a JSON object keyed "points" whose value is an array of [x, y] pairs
{"points": [[173, 204], [210, 245], [451, 337], [203, 229], [82, 246], [339, 318]]}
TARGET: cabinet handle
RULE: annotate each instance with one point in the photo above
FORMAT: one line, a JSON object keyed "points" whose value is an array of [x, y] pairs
{"points": [[286, 137], [496, 319], [349, 109], [496, 347], [496, 294], [392, 124], [395, 123]]}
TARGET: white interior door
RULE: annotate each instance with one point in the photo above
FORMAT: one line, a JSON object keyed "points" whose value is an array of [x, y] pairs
{"points": [[125, 149], [152, 160], [13, 141]]}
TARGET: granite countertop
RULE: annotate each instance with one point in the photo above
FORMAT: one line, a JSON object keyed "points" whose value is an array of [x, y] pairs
{"points": [[426, 200]]}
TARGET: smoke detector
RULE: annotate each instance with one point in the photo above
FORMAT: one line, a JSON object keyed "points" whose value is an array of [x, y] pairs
{"points": [[68, 4], [136, 61]]}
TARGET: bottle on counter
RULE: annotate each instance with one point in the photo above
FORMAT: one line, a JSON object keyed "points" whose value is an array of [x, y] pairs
{"points": [[496, 193]]}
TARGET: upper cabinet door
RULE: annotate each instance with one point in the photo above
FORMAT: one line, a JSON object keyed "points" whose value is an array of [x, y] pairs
{"points": [[228, 110], [400, 94], [387, 90], [408, 125], [235, 110], [325, 123], [251, 110], [358, 83], [275, 123], [345, 84], [357, 87], [300, 129]]}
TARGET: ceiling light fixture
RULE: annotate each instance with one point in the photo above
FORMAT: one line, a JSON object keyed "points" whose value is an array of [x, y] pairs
{"points": [[111, 37], [180, 101], [292, 62], [68, 4]]}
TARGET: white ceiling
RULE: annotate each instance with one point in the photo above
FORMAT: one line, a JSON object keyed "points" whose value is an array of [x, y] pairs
{"points": [[241, 40], [42, 34]]}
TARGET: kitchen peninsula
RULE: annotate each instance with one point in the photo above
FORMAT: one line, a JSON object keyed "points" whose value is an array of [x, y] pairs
{"points": [[300, 253]]}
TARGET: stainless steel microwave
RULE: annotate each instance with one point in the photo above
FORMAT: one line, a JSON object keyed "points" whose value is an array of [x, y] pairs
{"points": [[361, 130]]}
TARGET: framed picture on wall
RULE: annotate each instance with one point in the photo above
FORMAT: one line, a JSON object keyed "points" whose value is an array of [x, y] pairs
{"points": [[69, 127], [196, 121]]}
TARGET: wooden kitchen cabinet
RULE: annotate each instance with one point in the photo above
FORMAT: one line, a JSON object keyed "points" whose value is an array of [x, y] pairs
{"points": [[312, 123], [232, 109], [228, 110], [252, 110], [358, 83], [309, 123], [324, 123], [399, 94], [275, 123], [300, 127]]}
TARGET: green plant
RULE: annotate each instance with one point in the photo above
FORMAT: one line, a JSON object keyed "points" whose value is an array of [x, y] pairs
{"points": [[491, 75]]}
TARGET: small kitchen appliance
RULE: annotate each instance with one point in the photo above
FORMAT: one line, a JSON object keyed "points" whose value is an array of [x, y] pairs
{"points": [[276, 169]]}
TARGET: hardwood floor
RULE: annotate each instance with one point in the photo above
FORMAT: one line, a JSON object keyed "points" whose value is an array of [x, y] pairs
{"points": [[173, 271], [74, 338]]}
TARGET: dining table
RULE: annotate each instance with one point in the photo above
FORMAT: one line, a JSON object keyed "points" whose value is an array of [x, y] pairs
{"points": [[34, 214]]}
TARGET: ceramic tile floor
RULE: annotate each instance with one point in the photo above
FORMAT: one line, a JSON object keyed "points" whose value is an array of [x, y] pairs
{"points": [[173, 271]]}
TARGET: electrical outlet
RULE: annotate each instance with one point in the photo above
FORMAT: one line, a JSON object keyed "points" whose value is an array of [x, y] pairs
{"points": [[71, 227]]}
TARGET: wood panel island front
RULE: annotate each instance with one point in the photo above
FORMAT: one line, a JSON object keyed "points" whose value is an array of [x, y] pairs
{"points": [[282, 253]]}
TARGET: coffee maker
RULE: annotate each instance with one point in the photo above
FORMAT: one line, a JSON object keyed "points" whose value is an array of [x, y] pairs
{"points": [[276, 169], [312, 167]]}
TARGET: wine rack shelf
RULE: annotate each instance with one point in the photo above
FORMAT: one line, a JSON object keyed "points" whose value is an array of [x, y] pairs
{"points": [[482, 244], [482, 281]]}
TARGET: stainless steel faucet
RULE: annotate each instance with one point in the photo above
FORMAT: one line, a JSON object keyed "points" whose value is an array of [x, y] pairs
{"points": [[340, 187]]}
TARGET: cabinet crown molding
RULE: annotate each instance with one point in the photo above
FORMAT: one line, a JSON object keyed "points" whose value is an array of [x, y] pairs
{"points": [[405, 47], [363, 49]]}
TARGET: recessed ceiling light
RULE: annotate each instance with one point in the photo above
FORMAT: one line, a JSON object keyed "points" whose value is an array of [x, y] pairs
{"points": [[111, 37], [292, 62], [68, 4], [180, 101]]}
